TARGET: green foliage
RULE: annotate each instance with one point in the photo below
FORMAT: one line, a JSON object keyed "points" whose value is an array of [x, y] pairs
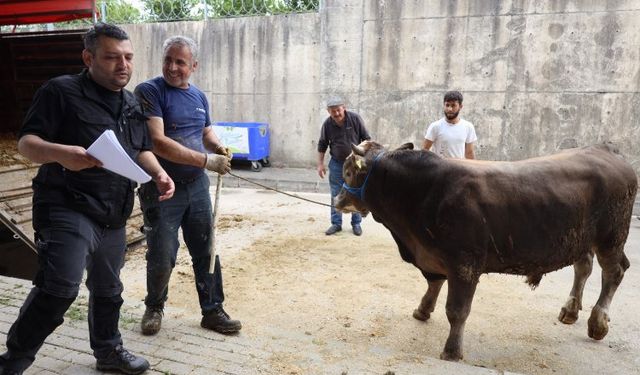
{"points": [[115, 11], [235, 8], [224, 8], [120, 11], [169, 10], [302, 5], [82, 23], [126, 11]]}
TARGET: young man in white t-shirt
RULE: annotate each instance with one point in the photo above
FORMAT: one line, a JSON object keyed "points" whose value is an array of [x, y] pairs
{"points": [[451, 136]]}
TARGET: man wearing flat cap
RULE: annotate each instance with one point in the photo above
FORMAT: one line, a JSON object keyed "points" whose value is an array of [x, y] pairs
{"points": [[339, 131]]}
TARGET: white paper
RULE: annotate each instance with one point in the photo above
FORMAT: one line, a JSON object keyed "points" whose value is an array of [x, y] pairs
{"points": [[108, 150]]}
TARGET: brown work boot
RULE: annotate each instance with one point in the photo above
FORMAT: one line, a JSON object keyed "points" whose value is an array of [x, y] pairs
{"points": [[219, 321], [151, 320]]}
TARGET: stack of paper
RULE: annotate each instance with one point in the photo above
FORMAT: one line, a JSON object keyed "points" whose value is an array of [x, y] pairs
{"points": [[108, 150]]}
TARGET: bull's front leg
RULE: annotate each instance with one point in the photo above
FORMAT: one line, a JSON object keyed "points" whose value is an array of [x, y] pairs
{"points": [[428, 303], [459, 298]]}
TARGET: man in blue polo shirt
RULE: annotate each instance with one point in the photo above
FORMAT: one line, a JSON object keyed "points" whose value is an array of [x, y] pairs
{"points": [[184, 141]]}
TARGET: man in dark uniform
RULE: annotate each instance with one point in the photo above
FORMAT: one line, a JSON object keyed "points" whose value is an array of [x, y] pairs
{"points": [[341, 129], [79, 208]]}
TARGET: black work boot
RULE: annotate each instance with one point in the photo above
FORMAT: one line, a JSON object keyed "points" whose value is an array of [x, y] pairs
{"points": [[333, 229], [219, 321], [151, 320], [6, 371], [4, 366], [120, 359]]}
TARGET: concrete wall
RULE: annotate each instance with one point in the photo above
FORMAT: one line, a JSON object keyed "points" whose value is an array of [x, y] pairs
{"points": [[537, 75], [252, 69]]}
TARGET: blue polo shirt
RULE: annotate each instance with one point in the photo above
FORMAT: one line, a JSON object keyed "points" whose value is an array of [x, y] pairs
{"points": [[185, 113]]}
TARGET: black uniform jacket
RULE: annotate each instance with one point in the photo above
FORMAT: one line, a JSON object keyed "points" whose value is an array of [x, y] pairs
{"points": [[70, 111]]}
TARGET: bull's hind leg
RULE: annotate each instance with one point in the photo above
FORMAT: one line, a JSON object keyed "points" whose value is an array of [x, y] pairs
{"points": [[428, 303], [581, 271], [612, 274]]}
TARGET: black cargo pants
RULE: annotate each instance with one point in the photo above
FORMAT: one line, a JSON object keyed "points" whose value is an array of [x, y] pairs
{"points": [[69, 242]]}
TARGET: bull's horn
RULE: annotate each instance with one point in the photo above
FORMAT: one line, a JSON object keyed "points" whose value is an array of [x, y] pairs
{"points": [[406, 146], [357, 150]]}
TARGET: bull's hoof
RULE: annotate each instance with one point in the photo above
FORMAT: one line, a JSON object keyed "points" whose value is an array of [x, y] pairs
{"points": [[451, 356], [598, 324], [420, 315], [567, 317], [569, 312]]}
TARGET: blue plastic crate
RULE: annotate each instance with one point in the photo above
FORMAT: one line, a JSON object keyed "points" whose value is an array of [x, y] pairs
{"points": [[247, 141]]}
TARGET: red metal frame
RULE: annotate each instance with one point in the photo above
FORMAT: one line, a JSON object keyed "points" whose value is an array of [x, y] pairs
{"points": [[19, 12]]}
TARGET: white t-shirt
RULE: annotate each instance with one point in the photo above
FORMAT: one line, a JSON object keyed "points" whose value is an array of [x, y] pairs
{"points": [[449, 139]]}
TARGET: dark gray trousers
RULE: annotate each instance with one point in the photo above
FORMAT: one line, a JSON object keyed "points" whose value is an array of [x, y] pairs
{"points": [[69, 243]]}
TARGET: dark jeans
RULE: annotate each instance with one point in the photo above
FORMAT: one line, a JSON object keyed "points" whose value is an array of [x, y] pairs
{"points": [[69, 242], [189, 209], [335, 182]]}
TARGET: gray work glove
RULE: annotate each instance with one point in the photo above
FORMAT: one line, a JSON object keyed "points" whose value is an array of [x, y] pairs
{"points": [[218, 163]]}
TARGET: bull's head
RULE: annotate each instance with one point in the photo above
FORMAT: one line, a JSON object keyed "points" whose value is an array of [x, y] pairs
{"points": [[354, 172]]}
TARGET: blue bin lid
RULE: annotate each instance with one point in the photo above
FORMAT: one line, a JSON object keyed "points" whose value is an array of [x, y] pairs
{"points": [[242, 124]]}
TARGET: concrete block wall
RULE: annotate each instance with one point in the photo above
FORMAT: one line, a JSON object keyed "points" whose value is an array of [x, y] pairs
{"points": [[537, 75]]}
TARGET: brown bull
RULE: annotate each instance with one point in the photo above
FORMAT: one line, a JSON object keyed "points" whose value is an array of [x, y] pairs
{"points": [[457, 219]]}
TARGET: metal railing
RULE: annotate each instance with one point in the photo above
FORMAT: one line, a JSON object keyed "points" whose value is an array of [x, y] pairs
{"points": [[142, 11]]}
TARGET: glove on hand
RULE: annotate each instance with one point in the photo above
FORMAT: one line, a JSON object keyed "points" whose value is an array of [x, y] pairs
{"points": [[221, 150], [218, 163]]}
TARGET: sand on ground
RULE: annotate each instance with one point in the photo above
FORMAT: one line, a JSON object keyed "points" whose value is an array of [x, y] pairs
{"points": [[353, 296]]}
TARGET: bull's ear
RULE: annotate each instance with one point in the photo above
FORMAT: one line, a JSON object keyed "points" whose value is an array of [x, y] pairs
{"points": [[358, 150], [406, 146]]}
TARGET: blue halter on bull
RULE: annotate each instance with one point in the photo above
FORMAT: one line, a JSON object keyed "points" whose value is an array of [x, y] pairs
{"points": [[359, 192]]}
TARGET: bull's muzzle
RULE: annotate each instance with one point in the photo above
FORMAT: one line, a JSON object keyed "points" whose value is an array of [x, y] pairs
{"points": [[347, 203]]}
